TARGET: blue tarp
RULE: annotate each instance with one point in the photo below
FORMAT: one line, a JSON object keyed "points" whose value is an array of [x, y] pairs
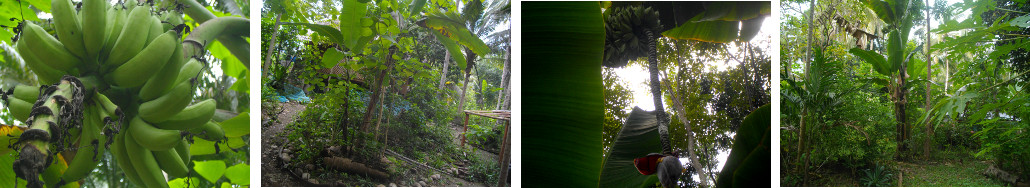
{"points": [[293, 93]]}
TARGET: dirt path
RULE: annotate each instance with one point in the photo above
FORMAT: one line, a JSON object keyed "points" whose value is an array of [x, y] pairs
{"points": [[271, 141]]}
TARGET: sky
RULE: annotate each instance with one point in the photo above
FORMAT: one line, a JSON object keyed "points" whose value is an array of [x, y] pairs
{"points": [[636, 77]]}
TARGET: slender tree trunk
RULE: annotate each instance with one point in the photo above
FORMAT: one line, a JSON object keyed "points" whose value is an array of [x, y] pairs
{"points": [[803, 150], [680, 110], [271, 45], [811, 33], [374, 99], [504, 81], [443, 74], [470, 59], [926, 144]]}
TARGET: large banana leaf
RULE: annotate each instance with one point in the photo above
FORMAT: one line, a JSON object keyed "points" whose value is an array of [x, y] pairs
{"points": [[639, 137], [452, 47], [748, 164], [878, 61], [723, 22], [564, 43], [350, 22], [450, 25]]}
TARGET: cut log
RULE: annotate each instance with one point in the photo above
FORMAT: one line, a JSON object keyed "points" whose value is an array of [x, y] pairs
{"points": [[349, 166]]}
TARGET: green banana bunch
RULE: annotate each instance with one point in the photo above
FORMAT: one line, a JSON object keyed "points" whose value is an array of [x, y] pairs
{"points": [[130, 52]]}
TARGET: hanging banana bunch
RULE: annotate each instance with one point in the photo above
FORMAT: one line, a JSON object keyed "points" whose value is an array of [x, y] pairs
{"points": [[132, 52]]}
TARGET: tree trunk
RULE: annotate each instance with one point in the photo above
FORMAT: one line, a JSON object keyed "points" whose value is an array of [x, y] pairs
{"points": [[803, 150], [926, 144], [811, 32], [656, 92], [691, 142], [443, 74], [470, 62], [373, 103], [504, 81], [271, 45]]}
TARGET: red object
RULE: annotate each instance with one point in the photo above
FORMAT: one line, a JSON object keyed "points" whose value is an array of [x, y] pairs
{"points": [[649, 164]]}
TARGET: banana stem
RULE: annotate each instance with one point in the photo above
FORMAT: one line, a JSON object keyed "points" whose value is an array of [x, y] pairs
{"points": [[234, 42], [50, 119], [195, 44]]}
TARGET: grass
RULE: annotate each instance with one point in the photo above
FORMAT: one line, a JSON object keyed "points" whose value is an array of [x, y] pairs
{"points": [[964, 174]]}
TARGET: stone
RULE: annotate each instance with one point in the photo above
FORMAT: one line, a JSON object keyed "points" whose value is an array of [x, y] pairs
{"points": [[285, 156], [393, 185], [423, 183], [436, 176], [313, 181], [305, 176], [380, 185]]}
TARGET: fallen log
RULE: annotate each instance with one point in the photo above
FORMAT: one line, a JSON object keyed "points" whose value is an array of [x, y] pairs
{"points": [[349, 166]]}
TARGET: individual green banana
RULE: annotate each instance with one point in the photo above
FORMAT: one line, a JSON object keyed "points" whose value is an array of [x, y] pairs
{"points": [[26, 92], [116, 20], [19, 109], [143, 160], [139, 69], [91, 147], [164, 107], [68, 27], [94, 26], [211, 131], [131, 39], [44, 73], [123, 161], [106, 104], [189, 71], [151, 137], [161, 82], [191, 117], [170, 162], [46, 48], [183, 149], [155, 30]]}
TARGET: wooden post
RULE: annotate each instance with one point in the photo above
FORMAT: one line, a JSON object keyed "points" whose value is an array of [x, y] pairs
{"points": [[466, 125], [504, 155]]}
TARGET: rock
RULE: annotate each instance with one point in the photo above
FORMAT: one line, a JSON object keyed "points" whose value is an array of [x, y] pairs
{"points": [[313, 181], [380, 185], [310, 167], [285, 157], [436, 176], [393, 185], [423, 183], [305, 176]]}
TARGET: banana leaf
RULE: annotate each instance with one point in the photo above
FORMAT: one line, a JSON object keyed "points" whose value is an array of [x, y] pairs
{"points": [[878, 61], [748, 164], [451, 26], [563, 43], [638, 137], [723, 22], [350, 22]]}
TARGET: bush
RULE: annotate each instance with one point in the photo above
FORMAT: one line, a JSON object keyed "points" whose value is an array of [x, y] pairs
{"points": [[879, 176]]}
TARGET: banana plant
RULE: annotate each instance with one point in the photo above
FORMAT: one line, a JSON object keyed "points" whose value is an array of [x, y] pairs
{"points": [[899, 22], [631, 32], [562, 132]]}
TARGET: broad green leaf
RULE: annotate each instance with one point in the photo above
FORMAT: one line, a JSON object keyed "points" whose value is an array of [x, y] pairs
{"points": [[882, 9], [749, 158], [453, 27], [735, 11], [878, 61], [242, 85], [749, 28], [1022, 21], [239, 174], [638, 137], [328, 31], [206, 147], [331, 57], [456, 53], [8, 134], [416, 7], [350, 22], [230, 65], [211, 170], [237, 126], [181, 183], [7, 170], [562, 129], [708, 31]]}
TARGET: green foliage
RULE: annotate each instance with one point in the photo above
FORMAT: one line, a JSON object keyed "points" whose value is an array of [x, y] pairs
{"points": [[877, 177]]}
